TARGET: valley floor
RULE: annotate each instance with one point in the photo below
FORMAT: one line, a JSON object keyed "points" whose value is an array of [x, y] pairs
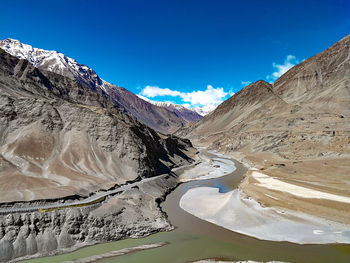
{"points": [[234, 210], [195, 239], [316, 186]]}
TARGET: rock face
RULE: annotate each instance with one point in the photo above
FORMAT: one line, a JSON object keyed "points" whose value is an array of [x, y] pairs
{"points": [[158, 118], [133, 213], [296, 129], [59, 138]]}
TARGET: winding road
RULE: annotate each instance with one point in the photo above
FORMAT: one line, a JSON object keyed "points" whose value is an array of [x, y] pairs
{"points": [[96, 198]]}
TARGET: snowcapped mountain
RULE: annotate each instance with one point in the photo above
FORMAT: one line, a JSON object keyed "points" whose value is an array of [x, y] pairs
{"points": [[185, 113], [205, 109], [162, 119], [52, 61], [192, 114]]}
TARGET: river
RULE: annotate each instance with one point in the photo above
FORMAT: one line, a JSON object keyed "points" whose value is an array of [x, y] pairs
{"points": [[195, 239]]}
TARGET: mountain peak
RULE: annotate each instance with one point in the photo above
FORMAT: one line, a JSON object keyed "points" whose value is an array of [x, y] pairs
{"points": [[11, 40], [260, 82], [345, 39], [252, 93]]}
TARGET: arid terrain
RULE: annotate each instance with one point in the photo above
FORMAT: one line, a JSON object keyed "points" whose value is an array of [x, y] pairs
{"points": [[296, 132], [64, 141], [61, 142], [175, 131]]}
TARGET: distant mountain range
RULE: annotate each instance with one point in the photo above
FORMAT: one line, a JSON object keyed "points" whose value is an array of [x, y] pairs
{"points": [[192, 114], [189, 114], [205, 110], [159, 117]]}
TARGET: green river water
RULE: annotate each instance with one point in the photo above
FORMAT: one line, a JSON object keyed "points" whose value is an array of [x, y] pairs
{"points": [[195, 239]]}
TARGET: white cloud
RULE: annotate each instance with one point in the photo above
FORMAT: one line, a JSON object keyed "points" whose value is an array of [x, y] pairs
{"points": [[154, 91], [195, 98], [209, 96], [280, 69], [245, 83]]}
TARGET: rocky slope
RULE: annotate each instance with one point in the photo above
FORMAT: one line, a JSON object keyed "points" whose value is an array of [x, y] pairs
{"points": [[133, 213], [60, 140], [158, 118], [296, 129], [58, 134]]}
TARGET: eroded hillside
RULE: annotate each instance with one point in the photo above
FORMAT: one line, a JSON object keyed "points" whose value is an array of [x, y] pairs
{"points": [[296, 130], [58, 138]]}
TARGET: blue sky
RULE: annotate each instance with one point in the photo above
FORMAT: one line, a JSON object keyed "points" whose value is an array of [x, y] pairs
{"points": [[189, 52]]}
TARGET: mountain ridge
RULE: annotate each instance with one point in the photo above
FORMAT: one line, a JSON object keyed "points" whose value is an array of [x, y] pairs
{"points": [[56, 132], [296, 130], [158, 118], [180, 110]]}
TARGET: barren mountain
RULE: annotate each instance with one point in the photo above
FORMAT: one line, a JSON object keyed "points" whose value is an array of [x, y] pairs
{"points": [[296, 130], [60, 142], [184, 113], [60, 138], [158, 118]]}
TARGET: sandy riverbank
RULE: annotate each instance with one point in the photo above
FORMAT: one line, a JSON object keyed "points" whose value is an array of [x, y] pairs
{"points": [[316, 186], [235, 211], [211, 165]]}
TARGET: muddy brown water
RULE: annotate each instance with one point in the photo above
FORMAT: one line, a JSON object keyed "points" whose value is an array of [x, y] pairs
{"points": [[195, 239]]}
